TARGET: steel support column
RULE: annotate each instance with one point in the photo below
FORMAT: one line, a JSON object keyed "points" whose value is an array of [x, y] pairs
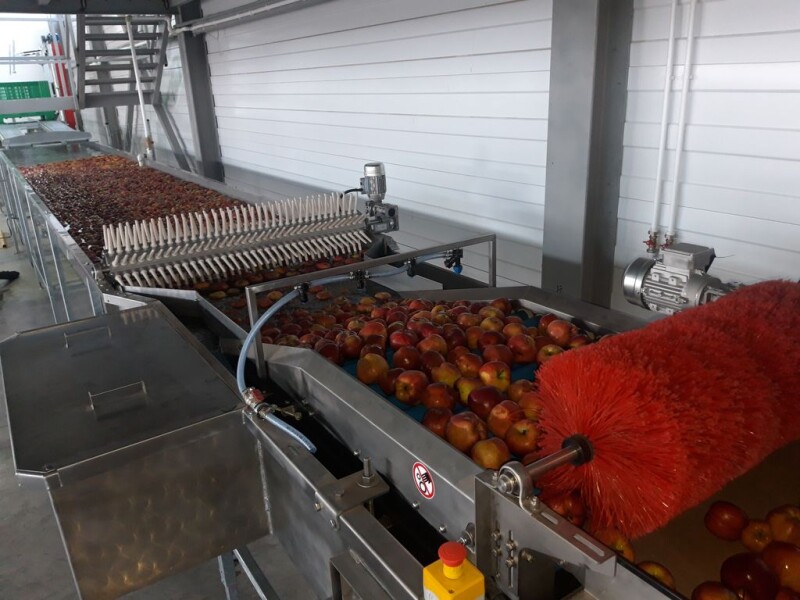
{"points": [[588, 96], [197, 81]]}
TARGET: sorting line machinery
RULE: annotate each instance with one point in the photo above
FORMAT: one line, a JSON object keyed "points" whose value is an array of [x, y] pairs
{"points": [[154, 463]]}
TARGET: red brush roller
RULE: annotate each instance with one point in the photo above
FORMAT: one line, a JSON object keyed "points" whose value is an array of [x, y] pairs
{"points": [[676, 409]]}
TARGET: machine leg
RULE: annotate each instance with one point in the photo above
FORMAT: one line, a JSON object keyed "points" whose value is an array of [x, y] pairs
{"points": [[228, 575]]}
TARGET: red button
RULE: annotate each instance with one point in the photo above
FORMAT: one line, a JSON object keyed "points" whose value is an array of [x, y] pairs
{"points": [[452, 554]]}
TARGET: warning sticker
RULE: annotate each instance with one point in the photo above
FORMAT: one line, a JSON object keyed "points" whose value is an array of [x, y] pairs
{"points": [[423, 480]]}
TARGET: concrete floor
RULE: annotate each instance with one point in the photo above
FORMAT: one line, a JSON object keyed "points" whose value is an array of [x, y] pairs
{"points": [[33, 564]]}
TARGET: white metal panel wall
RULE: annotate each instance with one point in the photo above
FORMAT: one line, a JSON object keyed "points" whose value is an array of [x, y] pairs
{"points": [[740, 182], [452, 95]]}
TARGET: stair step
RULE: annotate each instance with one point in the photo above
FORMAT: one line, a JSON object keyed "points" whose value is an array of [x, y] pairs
{"points": [[121, 21], [121, 66], [117, 80], [122, 98], [121, 52], [119, 37]]}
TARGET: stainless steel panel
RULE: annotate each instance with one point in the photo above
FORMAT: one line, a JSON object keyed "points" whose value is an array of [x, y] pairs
{"points": [[63, 386], [187, 497]]}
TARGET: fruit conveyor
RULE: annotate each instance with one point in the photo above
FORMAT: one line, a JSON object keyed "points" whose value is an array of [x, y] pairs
{"points": [[154, 463]]}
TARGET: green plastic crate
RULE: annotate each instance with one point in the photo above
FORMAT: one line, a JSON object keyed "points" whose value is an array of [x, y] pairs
{"points": [[20, 90]]}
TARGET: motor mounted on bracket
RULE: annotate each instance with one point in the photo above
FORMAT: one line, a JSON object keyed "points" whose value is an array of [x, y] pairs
{"points": [[676, 280]]}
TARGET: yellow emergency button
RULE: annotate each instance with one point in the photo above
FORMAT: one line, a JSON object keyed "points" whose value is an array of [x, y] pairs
{"points": [[453, 577]]}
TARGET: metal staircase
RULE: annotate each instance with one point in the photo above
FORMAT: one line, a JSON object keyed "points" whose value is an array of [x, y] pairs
{"points": [[105, 60]]}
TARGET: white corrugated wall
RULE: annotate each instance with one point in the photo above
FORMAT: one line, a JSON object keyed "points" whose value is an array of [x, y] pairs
{"points": [[452, 95], [740, 182]]}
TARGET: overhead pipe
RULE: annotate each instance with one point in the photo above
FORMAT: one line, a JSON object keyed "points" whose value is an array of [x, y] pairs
{"points": [[652, 239], [676, 171]]}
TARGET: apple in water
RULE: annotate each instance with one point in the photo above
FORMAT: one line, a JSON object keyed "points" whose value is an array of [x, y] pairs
{"points": [[446, 373], [388, 381], [747, 573], [415, 325], [454, 353], [467, 320], [570, 506], [428, 329], [784, 560], [490, 338], [429, 360], [560, 332], [502, 416], [531, 405], [410, 386], [757, 535], [439, 395], [544, 321], [490, 454], [659, 572], [434, 342], [548, 352], [495, 373], [473, 335], [375, 340], [330, 351], [513, 328], [523, 348], [469, 364], [491, 311], [396, 316], [498, 352], [455, 339], [713, 590], [522, 437], [406, 357], [483, 399], [493, 324], [464, 430], [519, 387], [616, 541], [406, 337], [372, 349], [725, 520], [576, 341], [436, 419], [504, 304], [465, 385], [370, 367]]}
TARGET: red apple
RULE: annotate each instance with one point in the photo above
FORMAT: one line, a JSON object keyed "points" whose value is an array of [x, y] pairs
{"points": [[757, 535], [492, 324], [433, 342], [416, 324], [355, 324], [725, 520], [393, 327], [490, 454], [524, 348], [429, 329], [547, 352], [522, 437], [784, 522], [616, 541], [498, 352], [464, 430], [473, 335], [410, 386], [504, 304], [446, 373], [495, 373], [382, 296], [747, 573], [476, 307], [406, 337], [379, 312], [490, 338], [465, 385], [452, 355], [467, 320], [784, 560], [291, 329], [375, 340], [396, 316], [483, 399], [372, 349], [576, 341], [469, 364], [330, 351], [436, 420], [370, 368], [455, 339], [713, 590], [429, 360], [570, 506], [310, 338], [388, 381], [560, 332], [519, 387], [531, 405], [544, 321], [658, 572], [439, 395], [420, 315], [512, 329], [406, 357], [491, 311], [420, 304], [502, 416]]}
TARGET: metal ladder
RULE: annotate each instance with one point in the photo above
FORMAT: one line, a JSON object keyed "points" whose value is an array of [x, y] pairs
{"points": [[105, 61]]}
